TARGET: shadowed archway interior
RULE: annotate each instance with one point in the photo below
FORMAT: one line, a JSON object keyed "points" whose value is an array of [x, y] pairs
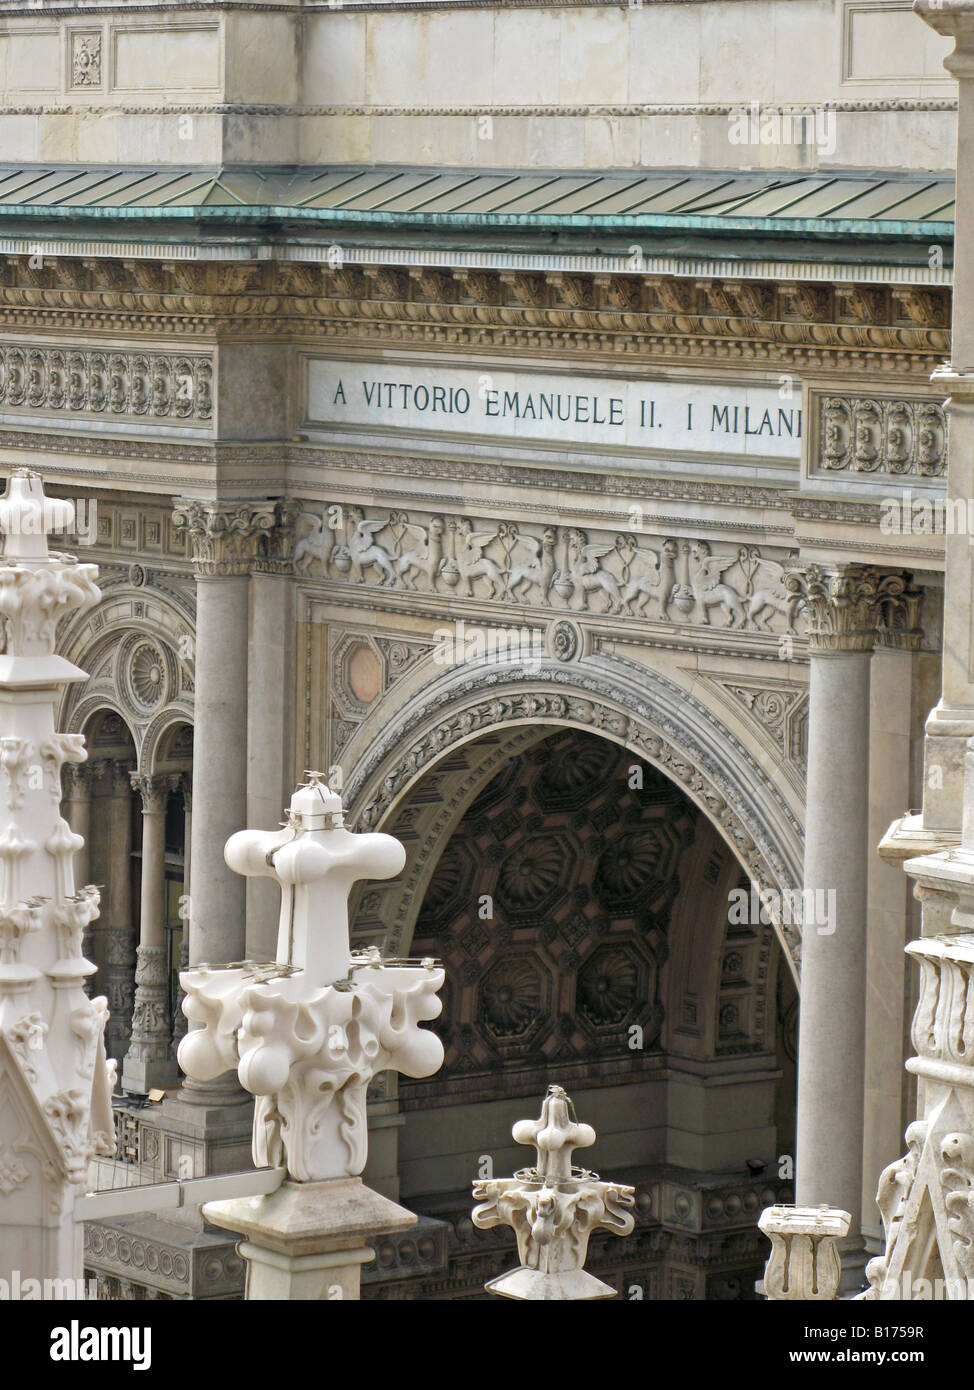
{"points": [[580, 908]]}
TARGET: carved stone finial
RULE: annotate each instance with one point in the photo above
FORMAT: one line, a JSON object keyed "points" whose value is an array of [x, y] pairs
{"points": [[308, 1032], [553, 1209], [804, 1263], [55, 1083]]}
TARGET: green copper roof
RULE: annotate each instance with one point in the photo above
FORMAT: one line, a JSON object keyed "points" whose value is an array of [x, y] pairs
{"points": [[826, 204]]}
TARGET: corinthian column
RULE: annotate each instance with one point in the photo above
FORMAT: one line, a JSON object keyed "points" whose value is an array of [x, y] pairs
{"points": [[77, 779], [179, 1023], [268, 715], [119, 927], [845, 605], [149, 1061], [225, 539]]}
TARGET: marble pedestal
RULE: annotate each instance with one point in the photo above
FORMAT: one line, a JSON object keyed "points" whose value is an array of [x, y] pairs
{"points": [[309, 1241]]}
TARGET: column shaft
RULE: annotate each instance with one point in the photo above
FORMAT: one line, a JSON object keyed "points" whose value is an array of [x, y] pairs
{"points": [[150, 1061], [116, 908], [831, 1053], [267, 789], [218, 896]]}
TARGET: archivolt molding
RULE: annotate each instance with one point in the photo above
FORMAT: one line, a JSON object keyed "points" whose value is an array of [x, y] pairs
{"points": [[155, 733], [639, 708], [137, 645]]}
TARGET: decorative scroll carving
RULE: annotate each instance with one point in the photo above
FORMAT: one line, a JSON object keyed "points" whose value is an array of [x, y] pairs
{"points": [[925, 1196], [86, 60], [882, 436], [156, 385]]}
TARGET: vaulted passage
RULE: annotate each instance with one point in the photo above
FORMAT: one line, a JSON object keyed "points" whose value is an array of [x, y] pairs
{"points": [[580, 908]]}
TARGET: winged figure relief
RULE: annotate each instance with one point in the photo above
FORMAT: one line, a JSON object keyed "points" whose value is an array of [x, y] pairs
{"points": [[425, 555], [316, 546], [471, 560], [532, 563], [586, 572], [768, 595], [364, 550], [709, 587]]}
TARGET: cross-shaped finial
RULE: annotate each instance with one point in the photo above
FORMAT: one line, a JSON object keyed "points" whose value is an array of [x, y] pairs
{"points": [[315, 860], [554, 1136], [27, 517]]}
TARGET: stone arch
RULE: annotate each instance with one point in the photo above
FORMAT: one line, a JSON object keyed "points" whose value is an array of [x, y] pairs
{"points": [[428, 719], [136, 646], [159, 733]]}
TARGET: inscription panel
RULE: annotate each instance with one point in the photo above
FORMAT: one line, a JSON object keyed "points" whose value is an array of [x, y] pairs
{"points": [[540, 407]]}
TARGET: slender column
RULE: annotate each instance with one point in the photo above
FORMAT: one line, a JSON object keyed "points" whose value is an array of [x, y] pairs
{"points": [[179, 1023], [891, 912], [77, 779], [119, 927], [268, 716], [844, 605], [149, 1061], [224, 541]]}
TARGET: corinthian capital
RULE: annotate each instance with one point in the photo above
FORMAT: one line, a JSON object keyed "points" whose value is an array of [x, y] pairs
{"points": [[275, 548], [851, 607], [154, 790], [225, 537]]}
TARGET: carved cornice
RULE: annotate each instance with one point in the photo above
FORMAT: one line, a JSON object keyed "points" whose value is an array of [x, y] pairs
{"points": [[225, 537], [852, 607], [657, 316]]}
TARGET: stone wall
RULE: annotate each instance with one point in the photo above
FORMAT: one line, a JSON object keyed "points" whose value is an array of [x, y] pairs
{"points": [[558, 86]]}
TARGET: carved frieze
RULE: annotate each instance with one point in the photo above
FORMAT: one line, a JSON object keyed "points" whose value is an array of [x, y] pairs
{"points": [[883, 436], [106, 383], [569, 568]]}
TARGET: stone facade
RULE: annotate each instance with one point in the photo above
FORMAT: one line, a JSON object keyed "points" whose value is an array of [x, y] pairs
{"points": [[446, 601]]}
